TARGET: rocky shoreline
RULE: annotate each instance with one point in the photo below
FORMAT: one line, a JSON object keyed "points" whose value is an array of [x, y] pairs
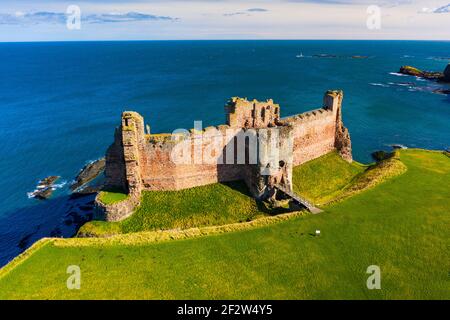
{"points": [[44, 188], [89, 172], [429, 75]]}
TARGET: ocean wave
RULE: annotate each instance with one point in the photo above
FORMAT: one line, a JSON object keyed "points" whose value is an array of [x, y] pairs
{"points": [[398, 74], [439, 58], [59, 185], [40, 187], [396, 145], [31, 194], [379, 84]]}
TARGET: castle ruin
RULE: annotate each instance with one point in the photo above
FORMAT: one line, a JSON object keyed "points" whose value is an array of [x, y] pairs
{"points": [[261, 150]]}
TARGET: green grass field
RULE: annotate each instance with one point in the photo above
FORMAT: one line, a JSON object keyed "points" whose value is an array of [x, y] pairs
{"points": [[400, 225], [112, 196], [219, 204], [214, 204], [323, 179]]}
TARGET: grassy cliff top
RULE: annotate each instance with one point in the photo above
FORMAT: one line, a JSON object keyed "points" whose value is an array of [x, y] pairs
{"points": [[218, 204], [214, 204], [400, 225], [112, 196]]}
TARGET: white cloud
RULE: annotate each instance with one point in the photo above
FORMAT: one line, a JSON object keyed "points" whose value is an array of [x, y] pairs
{"points": [[47, 17], [246, 12], [442, 9], [225, 19]]}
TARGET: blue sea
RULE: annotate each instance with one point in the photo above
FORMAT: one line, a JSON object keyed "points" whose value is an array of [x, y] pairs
{"points": [[61, 101]]}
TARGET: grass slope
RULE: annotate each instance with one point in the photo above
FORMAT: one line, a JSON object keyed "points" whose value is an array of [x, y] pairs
{"points": [[323, 179], [401, 225], [213, 204], [217, 204]]}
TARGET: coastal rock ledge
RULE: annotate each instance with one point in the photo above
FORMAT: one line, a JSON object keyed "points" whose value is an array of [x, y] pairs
{"points": [[430, 75]]}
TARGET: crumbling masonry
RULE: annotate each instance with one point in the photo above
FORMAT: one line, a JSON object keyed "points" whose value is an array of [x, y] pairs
{"points": [[137, 161]]}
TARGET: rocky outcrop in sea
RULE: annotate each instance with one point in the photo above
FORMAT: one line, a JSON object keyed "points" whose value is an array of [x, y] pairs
{"points": [[430, 75], [44, 188], [89, 172]]}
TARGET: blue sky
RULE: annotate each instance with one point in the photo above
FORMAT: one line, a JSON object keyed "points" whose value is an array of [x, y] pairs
{"points": [[45, 20]]}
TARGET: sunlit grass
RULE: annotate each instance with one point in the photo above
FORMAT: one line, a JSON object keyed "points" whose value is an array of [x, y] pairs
{"points": [[401, 225]]}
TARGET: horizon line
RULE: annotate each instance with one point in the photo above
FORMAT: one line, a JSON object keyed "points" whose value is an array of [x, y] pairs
{"points": [[205, 40]]}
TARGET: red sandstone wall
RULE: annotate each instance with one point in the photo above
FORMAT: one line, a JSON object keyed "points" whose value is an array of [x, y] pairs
{"points": [[242, 113], [314, 134], [159, 172], [115, 172]]}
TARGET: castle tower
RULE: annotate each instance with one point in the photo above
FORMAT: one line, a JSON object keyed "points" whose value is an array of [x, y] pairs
{"points": [[241, 113], [332, 100], [133, 140]]}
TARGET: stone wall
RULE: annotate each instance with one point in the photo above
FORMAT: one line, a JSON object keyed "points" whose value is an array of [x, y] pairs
{"points": [[115, 172], [137, 161], [115, 211], [320, 131], [241, 113]]}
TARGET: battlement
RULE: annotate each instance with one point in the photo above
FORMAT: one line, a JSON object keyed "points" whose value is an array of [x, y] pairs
{"points": [[332, 99], [242, 113]]}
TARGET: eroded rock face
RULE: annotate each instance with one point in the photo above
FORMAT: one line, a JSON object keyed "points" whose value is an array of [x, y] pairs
{"points": [[342, 143]]}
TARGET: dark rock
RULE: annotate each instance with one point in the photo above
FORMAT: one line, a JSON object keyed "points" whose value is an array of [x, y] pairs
{"points": [[89, 173], [23, 243], [442, 91], [86, 208], [399, 146], [87, 191], [447, 73], [44, 188], [381, 155], [430, 75], [49, 180], [411, 71]]}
